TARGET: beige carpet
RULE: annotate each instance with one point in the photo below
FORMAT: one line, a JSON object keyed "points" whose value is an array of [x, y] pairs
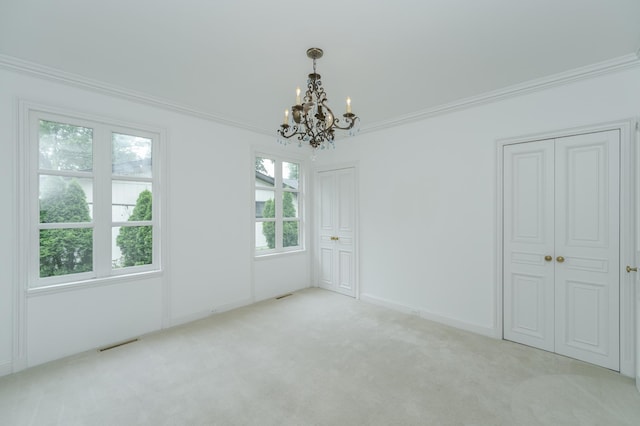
{"points": [[317, 358]]}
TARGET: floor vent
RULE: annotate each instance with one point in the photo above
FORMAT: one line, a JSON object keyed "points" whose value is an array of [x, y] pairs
{"points": [[283, 296], [117, 345]]}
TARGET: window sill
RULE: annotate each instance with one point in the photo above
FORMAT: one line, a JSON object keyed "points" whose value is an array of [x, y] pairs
{"points": [[268, 256], [94, 282]]}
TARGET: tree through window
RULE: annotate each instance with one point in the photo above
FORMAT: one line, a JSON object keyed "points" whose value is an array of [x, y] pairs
{"points": [[277, 200], [93, 197]]}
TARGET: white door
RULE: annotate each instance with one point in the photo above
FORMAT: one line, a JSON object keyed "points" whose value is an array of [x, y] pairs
{"points": [[561, 246], [335, 212], [587, 237], [528, 244]]}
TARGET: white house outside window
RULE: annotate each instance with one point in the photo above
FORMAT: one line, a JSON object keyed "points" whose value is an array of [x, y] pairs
{"points": [[278, 197], [93, 199]]}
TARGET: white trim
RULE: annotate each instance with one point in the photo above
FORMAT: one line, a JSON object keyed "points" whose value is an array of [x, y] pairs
{"points": [[272, 255], [162, 227], [600, 68], [22, 244], [174, 322], [102, 222], [627, 188], [627, 249], [484, 331], [302, 218], [566, 77], [205, 314], [92, 282], [6, 369], [53, 74]]}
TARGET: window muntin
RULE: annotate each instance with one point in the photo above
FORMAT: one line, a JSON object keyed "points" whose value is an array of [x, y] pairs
{"points": [[278, 195], [92, 211]]}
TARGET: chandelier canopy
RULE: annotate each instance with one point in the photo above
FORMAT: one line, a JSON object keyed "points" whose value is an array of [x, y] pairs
{"points": [[313, 121]]}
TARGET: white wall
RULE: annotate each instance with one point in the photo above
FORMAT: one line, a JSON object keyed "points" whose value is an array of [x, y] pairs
{"points": [[427, 195], [435, 254], [207, 230]]}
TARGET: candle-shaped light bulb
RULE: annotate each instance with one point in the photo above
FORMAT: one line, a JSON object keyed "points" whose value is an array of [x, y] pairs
{"points": [[297, 96], [286, 117], [348, 105]]}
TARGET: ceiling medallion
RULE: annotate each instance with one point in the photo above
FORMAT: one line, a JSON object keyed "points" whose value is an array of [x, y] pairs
{"points": [[313, 121]]}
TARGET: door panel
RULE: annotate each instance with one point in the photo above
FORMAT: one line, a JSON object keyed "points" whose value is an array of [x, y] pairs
{"points": [[346, 271], [529, 305], [346, 183], [587, 236], [327, 189], [583, 329], [528, 238], [326, 267], [336, 231]]}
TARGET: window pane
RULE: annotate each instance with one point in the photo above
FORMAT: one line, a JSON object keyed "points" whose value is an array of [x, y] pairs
{"points": [[265, 235], [131, 156], [131, 246], [290, 204], [290, 175], [265, 203], [65, 199], [290, 234], [265, 172], [65, 251], [130, 201], [65, 147]]}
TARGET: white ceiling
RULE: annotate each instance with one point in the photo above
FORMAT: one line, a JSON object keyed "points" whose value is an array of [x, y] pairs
{"points": [[241, 60]]}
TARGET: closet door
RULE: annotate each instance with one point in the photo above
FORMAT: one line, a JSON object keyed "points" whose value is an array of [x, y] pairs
{"points": [[561, 255], [528, 244], [587, 248], [335, 254]]}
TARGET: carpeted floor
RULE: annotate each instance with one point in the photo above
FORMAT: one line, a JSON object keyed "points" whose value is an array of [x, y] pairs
{"points": [[317, 358]]}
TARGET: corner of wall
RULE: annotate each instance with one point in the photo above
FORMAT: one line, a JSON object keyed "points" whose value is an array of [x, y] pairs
{"points": [[491, 332]]}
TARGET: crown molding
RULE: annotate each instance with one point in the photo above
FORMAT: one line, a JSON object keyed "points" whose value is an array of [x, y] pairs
{"points": [[600, 68], [53, 74]]}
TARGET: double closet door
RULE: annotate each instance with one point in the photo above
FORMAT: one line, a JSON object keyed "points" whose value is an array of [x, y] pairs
{"points": [[561, 222]]}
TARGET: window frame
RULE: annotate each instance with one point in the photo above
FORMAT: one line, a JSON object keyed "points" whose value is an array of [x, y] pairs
{"points": [[102, 222], [279, 192]]}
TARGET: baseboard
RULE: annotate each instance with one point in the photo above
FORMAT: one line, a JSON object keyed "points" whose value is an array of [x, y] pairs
{"points": [[173, 322], [233, 305], [6, 369], [274, 294], [484, 331]]}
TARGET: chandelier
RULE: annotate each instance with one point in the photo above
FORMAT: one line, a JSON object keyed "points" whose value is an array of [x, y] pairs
{"points": [[313, 121]]}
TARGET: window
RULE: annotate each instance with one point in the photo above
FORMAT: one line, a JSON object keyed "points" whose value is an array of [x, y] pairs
{"points": [[93, 200], [278, 197]]}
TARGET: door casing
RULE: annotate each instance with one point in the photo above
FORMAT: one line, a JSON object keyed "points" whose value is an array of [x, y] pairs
{"points": [[627, 227]]}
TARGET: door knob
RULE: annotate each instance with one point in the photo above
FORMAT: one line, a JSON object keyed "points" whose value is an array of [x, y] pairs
{"points": [[560, 259], [630, 269], [548, 258], [334, 238]]}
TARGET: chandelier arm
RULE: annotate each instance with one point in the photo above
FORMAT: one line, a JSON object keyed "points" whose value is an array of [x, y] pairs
{"points": [[349, 123], [288, 132]]}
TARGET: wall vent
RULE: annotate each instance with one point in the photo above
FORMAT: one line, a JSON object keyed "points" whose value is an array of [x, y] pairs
{"points": [[117, 345], [284, 295]]}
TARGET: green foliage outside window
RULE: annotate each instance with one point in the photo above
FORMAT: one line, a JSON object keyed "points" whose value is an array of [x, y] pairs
{"points": [[289, 228], [136, 242], [69, 250]]}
